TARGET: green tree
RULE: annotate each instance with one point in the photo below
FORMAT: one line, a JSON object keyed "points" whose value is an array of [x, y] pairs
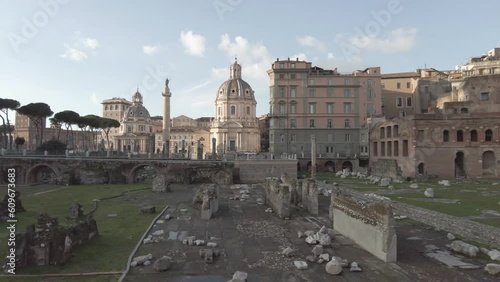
{"points": [[37, 113], [57, 124], [5, 106], [53, 147], [19, 141], [69, 118], [106, 125], [94, 124]]}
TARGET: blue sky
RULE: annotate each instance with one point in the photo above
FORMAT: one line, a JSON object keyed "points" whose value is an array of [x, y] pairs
{"points": [[72, 54]]}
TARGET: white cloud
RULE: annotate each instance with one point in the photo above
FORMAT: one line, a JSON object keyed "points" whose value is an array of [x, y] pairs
{"points": [[199, 86], [91, 43], [330, 56], [301, 56], [95, 99], [310, 41], [254, 58], [74, 54], [399, 40], [150, 49], [220, 73], [194, 43]]}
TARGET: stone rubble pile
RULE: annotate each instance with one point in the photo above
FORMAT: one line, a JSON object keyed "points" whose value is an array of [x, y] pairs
{"points": [[464, 248]]}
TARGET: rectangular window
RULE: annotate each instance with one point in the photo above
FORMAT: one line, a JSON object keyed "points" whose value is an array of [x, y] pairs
{"points": [[293, 76], [389, 148], [293, 108], [311, 123], [312, 93], [398, 85], [329, 123], [329, 92], [330, 82], [292, 65], [369, 93], [347, 123], [293, 92], [382, 149], [402, 114], [281, 123], [485, 96], [311, 82], [348, 137], [329, 149], [347, 92], [282, 92], [370, 83], [405, 148], [282, 108], [293, 123], [396, 148], [282, 76], [408, 101], [312, 108], [282, 65], [329, 108], [408, 84], [347, 108], [282, 137], [399, 102], [375, 149], [347, 81], [330, 138]]}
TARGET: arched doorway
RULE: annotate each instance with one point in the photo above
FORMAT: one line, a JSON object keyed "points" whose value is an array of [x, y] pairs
{"points": [[348, 165], [142, 174], [489, 163], [421, 169], [459, 165], [308, 166], [329, 166], [41, 173]]}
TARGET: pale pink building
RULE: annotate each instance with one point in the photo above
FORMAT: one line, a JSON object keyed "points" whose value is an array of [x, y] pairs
{"points": [[307, 100]]}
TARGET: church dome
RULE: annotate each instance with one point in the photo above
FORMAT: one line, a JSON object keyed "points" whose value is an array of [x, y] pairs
{"points": [[137, 110], [235, 86]]}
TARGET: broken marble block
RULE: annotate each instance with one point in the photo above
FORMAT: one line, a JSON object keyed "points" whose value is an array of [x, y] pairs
{"points": [[333, 267], [311, 241], [355, 267], [464, 248], [317, 250], [301, 265], [288, 252]]}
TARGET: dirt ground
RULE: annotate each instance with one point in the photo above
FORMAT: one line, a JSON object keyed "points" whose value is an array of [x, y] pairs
{"points": [[251, 240]]}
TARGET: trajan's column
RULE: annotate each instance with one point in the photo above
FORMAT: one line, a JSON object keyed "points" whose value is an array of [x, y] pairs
{"points": [[166, 119]]}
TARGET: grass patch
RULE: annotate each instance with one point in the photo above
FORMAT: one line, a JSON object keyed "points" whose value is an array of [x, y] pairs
{"points": [[118, 235]]}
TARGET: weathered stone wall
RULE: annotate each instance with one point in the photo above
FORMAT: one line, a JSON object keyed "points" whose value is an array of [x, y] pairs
{"points": [[465, 228], [370, 225], [385, 168], [256, 171], [278, 196], [308, 195]]}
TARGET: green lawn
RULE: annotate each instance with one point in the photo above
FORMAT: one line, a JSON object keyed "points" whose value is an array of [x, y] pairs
{"points": [[118, 235], [471, 203]]}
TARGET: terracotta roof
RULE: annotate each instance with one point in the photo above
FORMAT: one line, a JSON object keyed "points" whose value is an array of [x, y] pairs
{"points": [[401, 75]]}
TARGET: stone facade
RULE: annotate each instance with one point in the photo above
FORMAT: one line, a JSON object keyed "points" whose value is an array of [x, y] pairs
{"points": [[235, 127], [278, 196], [370, 225], [255, 171]]}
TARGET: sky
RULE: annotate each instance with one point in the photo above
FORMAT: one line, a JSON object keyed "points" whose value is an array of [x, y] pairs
{"points": [[72, 54]]}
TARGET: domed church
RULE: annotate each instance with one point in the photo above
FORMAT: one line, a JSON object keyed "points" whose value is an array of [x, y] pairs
{"points": [[235, 126]]}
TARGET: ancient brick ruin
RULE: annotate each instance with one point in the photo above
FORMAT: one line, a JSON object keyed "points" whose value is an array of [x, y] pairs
{"points": [[207, 200], [48, 243]]}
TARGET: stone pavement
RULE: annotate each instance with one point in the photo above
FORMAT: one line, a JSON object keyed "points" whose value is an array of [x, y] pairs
{"points": [[252, 240]]}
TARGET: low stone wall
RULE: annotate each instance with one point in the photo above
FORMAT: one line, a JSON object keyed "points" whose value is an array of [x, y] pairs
{"points": [[385, 168], [370, 225], [278, 196], [256, 171], [465, 228]]}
